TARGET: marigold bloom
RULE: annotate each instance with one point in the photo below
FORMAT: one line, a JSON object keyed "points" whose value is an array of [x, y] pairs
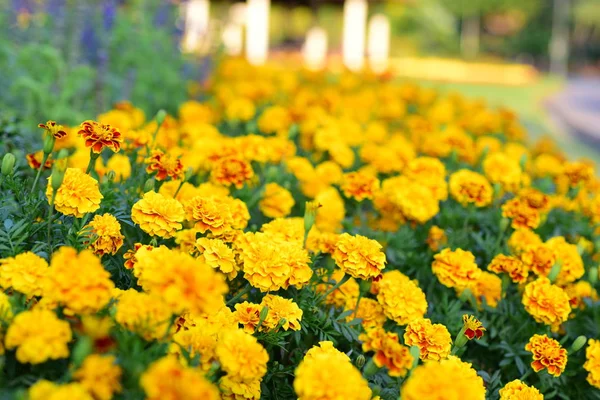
{"points": [[332, 211], [359, 185], [241, 356], [218, 256], [501, 169], [369, 311], [276, 202], [455, 269], [281, 309], [433, 340], [166, 378], [521, 214], [346, 293], [469, 187], [539, 258], [402, 299], [209, 213], [487, 286], [78, 281], [100, 376], [517, 390], [547, 353], [97, 136], [473, 327], [147, 315], [248, 315], [39, 336], [35, 160], [275, 120], [165, 165], [415, 201], [515, 268], [46, 390], [359, 256], [158, 215], [448, 379], [129, 256], [229, 171], [329, 375], [592, 362], [78, 194], [546, 303], [579, 291], [23, 273], [389, 352], [120, 165], [52, 128], [436, 238], [521, 240], [234, 390], [578, 172], [104, 233], [571, 263]]}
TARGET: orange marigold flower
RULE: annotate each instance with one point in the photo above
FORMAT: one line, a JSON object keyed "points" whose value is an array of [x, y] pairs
{"points": [[517, 390], [539, 259], [158, 215], [501, 169], [547, 353], [281, 309], [546, 303], [276, 202], [209, 214], [97, 136], [592, 362], [571, 263], [217, 255], [521, 240], [100, 376], [510, 265], [359, 185], [472, 327], [229, 171], [248, 315], [78, 194], [433, 340], [148, 315], [535, 199], [578, 172], [359, 256], [455, 269], [241, 356], [388, 351], [436, 238], [35, 160], [469, 187], [577, 292], [521, 214], [129, 255], [402, 299], [369, 311], [23, 273], [165, 165], [52, 128], [487, 286], [104, 234]]}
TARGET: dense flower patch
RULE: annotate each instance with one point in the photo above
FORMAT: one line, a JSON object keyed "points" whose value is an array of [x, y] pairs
{"points": [[299, 235]]}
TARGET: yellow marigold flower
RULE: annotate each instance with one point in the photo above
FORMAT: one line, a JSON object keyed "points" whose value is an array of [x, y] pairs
{"points": [[402, 299], [275, 120], [241, 356], [469, 187], [388, 351], [539, 258], [209, 213], [571, 263], [234, 390], [240, 109], [431, 173], [546, 303], [23, 273], [287, 229], [326, 375], [359, 185], [276, 202], [147, 315], [120, 165], [270, 264], [46, 390], [436, 238], [35, 160], [248, 315], [369, 311], [433, 340], [104, 234], [281, 309], [53, 129], [579, 291], [186, 240], [100, 376], [194, 111], [473, 328], [517, 390], [522, 239], [455, 269], [359, 256], [504, 170], [185, 283], [229, 171], [218, 256], [158, 215], [332, 211], [448, 379], [39, 336], [168, 379], [547, 353], [346, 293], [97, 136], [592, 362], [239, 212], [198, 339], [578, 172], [515, 268], [78, 281], [487, 286], [415, 201], [129, 256], [78, 194], [165, 165], [5, 310], [521, 214]]}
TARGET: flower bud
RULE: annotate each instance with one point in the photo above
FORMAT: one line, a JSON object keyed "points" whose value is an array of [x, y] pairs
{"points": [[64, 153], [310, 215], [82, 349], [370, 369], [593, 276], [360, 361], [554, 272], [504, 224], [111, 175], [8, 164], [160, 117], [189, 173], [49, 144], [149, 185], [461, 339], [281, 322], [58, 173], [416, 353], [578, 344]]}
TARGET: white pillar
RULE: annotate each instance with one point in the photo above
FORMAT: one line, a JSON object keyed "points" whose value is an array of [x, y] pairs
{"points": [[379, 43], [314, 50], [353, 46], [196, 24], [257, 31]]}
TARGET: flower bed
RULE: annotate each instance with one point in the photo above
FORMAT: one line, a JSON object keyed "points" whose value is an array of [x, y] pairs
{"points": [[299, 235]]}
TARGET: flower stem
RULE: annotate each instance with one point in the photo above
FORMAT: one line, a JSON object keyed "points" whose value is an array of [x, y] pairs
{"points": [[337, 285], [37, 176], [50, 217], [93, 158], [239, 295], [178, 189]]}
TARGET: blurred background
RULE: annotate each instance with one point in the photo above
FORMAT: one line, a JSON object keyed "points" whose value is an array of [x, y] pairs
{"points": [[70, 60]]}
